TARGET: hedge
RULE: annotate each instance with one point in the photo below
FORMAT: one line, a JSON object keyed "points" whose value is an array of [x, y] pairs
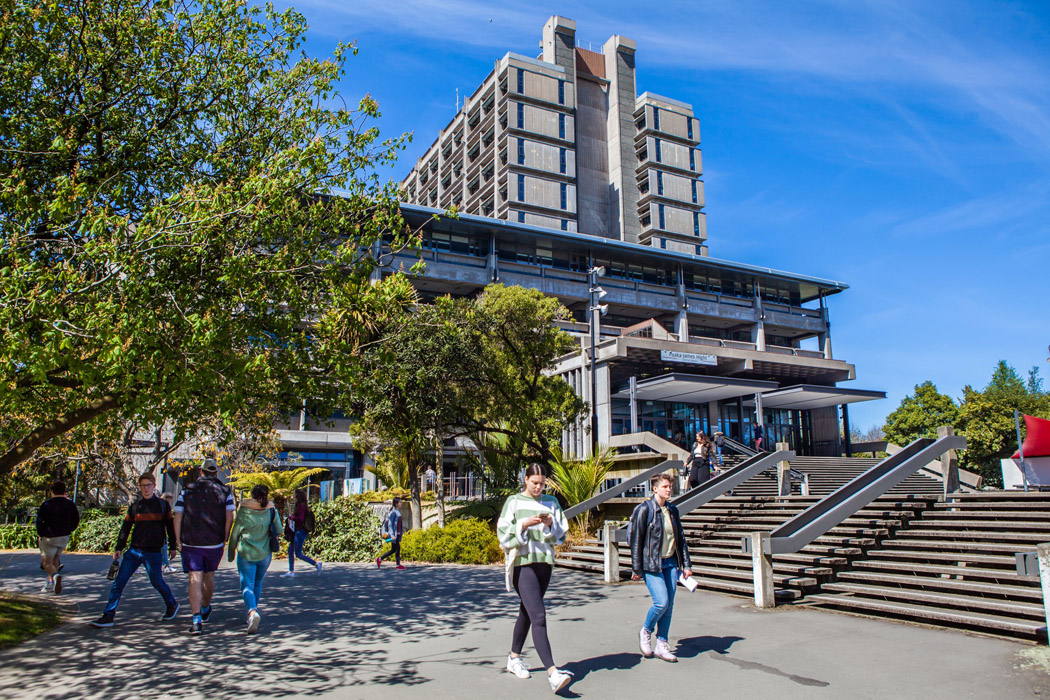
{"points": [[346, 530], [466, 541], [97, 532]]}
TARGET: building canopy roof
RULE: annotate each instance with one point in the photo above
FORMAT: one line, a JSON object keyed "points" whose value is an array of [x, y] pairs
{"points": [[695, 388], [806, 396]]}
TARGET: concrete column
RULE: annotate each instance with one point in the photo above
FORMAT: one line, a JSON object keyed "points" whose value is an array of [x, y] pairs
{"points": [[713, 419], [758, 333], [620, 131], [1043, 553], [682, 321], [762, 564], [759, 420], [633, 389], [612, 552], [949, 463], [603, 404], [845, 429], [783, 472]]}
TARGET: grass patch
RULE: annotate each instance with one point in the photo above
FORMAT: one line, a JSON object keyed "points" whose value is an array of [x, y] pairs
{"points": [[22, 619]]}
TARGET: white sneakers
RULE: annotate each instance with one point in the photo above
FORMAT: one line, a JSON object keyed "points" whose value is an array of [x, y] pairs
{"points": [[288, 574], [663, 651], [645, 643], [559, 679], [516, 665], [49, 587], [254, 618]]}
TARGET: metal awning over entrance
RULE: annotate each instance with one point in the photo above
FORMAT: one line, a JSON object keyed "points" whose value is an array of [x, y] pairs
{"points": [[806, 396], [695, 388]]}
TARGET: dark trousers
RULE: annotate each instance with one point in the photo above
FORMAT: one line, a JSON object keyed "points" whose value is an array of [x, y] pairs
{"points": [[531, 582], [395, 550]]}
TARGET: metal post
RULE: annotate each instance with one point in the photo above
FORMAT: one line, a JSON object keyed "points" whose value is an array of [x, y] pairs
{"points": [[1020, 447], [783, 472], [594, 378], [1043, 552], [949, 463], [632, 384], [762, 564], [76, 484]]}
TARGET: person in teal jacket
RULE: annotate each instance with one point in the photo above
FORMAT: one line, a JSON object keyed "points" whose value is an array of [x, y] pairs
{"points": [[254, 526]]}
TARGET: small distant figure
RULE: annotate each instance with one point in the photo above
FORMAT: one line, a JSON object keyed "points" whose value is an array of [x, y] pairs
{"points": [[168, 497], [253, 540], [429, 476], [720, 441], [203, 519], [302, 521], [391, 532], [699, 461], [760, 434], [55, 521], [679, 439], [149, 522]]}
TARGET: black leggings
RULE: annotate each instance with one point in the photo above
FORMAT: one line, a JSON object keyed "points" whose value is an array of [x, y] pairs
{"points": [[395, 549], [531, 582]]}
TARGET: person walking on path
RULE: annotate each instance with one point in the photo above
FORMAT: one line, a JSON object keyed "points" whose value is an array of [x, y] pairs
{"points": [[203, 518], [658, 553], [56, 519], [302, 522], [530, 526], [149, 523], [699, 461], [391, 532], [254, 538]]}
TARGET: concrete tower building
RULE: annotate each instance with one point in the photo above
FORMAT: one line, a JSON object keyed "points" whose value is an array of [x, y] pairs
{"points": [[564, 141]]}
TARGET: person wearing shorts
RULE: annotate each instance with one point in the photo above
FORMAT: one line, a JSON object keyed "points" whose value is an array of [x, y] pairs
{"points": [[203, 518], [55, 521], [149, 523]]}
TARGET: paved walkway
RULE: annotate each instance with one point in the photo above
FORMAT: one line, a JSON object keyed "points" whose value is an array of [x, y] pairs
{"points": [[443, 631]]}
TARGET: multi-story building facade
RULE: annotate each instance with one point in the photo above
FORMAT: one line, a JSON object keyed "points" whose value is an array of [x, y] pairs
{"points": [[563, 141]]}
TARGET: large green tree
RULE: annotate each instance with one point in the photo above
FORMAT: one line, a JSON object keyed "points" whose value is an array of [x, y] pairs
{"points": [[173, 248], [920, 414]]}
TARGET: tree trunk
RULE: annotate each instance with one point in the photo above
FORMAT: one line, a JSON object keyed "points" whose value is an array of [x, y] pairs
{"points": [[417, 501], [439, 467], [63, 424]]}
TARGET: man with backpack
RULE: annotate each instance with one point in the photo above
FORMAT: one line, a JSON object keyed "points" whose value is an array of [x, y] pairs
{"points": [[203, 518], [392, 532], [55, 521]]}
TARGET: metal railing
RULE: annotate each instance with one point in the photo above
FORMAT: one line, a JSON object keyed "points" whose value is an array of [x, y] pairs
{"points": [[729, 480], [626, 485]]}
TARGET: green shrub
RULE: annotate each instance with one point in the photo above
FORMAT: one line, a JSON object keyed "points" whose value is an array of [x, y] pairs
{"points": [[388, 494], [347, 530], [97, 532], [18, 537], [466, 541]]}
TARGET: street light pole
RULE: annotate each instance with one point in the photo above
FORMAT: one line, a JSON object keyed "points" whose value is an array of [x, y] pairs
{"points": [[594, 313]]}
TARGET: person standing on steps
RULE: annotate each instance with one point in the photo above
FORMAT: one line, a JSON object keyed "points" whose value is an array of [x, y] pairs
{"points": [[658, 553], [530, 525], [391, 532], [149, 523], [720, 441], [254, 539], [302, 521], [203, 518], [699, 461], [56, 519]]}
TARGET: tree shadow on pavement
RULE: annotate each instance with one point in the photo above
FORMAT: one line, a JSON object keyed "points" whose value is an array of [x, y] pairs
{"points": [[344, 628]]}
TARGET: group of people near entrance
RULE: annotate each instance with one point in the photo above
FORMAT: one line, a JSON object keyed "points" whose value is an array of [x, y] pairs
{"points": [[200, 524], [531, 524]]}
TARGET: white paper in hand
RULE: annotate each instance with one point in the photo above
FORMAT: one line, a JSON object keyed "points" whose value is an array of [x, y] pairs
{"points": [[690, 583]]}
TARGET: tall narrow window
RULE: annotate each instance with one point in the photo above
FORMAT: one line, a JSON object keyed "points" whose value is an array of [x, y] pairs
{"points": [[521, 116], [658, 155], [696, 224], [661, 208], [564, 225], [659, 183], [561, 126], [656, 118], [521, 188], [663, 243], [694, 191], [561, 161], [564, 196], [521, 152], [561, 92], [692, 159], [521, 82], [689, 121], [521, 217]]}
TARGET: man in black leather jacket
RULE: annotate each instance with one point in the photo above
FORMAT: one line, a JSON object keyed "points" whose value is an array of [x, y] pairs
{"points": [[659, 551]]}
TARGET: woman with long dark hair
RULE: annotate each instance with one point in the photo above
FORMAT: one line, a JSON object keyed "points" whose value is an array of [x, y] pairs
{"points": [[529, 527], [298, 519]]}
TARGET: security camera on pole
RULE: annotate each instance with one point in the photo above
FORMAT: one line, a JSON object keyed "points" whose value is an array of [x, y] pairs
{"points": [[596, 311]]}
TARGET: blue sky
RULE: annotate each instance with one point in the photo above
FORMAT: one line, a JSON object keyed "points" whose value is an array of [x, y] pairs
{"points": [[900, 147]]}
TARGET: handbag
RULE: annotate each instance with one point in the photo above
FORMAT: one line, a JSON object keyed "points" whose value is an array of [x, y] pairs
{"points": [[275, 537], [289, 531]]}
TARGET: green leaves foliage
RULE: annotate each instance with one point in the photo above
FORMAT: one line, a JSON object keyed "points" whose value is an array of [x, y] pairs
{"points": [[920, 414], [577, 480], [346, 530], [466, 541]]}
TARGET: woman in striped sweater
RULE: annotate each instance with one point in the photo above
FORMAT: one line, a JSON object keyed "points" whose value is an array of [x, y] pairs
{"points": [[529, 527]]}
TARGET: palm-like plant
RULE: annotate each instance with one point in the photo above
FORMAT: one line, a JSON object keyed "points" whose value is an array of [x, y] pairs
{"points": [[391, 468], [578, 480], [282, 484]]}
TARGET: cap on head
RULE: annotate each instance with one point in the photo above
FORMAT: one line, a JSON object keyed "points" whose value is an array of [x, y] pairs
{"points": [[210, 466]]}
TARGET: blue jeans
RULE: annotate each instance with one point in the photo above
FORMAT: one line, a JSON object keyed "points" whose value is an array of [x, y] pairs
{"points": [[133, 558], [661, 587], [251, 574], [296, 550]]}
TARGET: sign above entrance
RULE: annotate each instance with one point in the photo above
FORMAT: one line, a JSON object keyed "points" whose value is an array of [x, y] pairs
{"points": [[688, 357]]}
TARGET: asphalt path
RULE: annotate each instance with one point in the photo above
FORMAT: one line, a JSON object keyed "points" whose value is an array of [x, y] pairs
{"points": [[439, 632]]}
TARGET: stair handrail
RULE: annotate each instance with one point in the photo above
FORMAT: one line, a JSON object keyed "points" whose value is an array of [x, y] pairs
{"points": [[967, 478], [840, 504], [738, 447], [652, 441], [729, 480], [623, 486]]}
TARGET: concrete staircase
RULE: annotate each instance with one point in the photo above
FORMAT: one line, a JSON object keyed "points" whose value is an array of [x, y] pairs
{"points": [[953, 566]]}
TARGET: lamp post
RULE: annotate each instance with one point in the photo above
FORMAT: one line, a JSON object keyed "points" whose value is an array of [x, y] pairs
{"points": [[594, 313]]}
